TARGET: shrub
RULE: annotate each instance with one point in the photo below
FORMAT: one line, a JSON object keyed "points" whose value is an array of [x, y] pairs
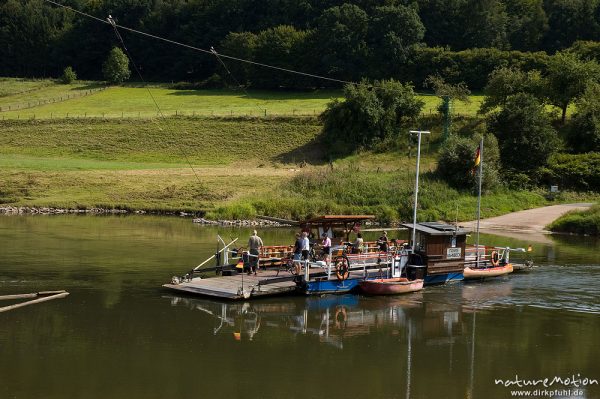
{"points": [[578, 172], [369, 113], [457, 162], [525, 134], [68, 76], [116, 67]]}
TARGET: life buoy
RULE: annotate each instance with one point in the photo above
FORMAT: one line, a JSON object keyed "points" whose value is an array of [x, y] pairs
{"points": [[495, 259], [341, 268], [341, 317]]}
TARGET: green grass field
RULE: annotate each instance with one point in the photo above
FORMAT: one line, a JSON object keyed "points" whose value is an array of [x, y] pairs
{"points": [[134, 102], [227, 160]]}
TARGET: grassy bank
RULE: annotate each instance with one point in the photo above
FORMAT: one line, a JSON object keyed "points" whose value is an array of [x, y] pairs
{"points": [[579, 222], [240, 168]]}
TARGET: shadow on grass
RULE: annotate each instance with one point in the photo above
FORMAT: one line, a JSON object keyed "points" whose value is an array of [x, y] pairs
{"points": [[90, 86], [261, 94], [313, 153]]}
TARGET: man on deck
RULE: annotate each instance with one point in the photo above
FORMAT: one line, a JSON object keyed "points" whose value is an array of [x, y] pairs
{"points": [[254, 245]]}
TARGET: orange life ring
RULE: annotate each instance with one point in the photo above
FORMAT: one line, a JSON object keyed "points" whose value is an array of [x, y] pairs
{"points": [[495, 259], [341, 317], [341, 269]]}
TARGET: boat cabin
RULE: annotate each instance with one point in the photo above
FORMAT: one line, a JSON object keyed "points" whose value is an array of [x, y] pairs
{"points": [[439, 247]]}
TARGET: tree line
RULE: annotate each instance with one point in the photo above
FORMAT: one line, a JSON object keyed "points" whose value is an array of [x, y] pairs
{"points": [[407, 40]]}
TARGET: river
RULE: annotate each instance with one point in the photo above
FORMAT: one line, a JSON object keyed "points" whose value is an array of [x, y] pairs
{"points": [[120, 335]]}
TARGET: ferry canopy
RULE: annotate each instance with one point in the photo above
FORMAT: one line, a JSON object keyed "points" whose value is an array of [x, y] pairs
{"points": [[437, 229], [336, 220]]}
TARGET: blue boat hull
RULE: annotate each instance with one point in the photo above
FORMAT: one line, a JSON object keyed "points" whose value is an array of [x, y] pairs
{"points": [[340, 287], [330, 286], [442, 278]]}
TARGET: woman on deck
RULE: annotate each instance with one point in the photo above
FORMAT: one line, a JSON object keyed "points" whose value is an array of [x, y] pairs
{"points": [[326, 243]]}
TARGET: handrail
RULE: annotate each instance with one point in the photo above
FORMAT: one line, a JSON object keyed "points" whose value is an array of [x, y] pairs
{"points": [[207, 260]]}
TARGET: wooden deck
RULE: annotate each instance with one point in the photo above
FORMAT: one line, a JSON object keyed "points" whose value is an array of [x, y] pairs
{"points": [[239, 286]]}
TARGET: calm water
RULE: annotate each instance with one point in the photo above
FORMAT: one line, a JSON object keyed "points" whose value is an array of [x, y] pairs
{"points": [[119, 335]]}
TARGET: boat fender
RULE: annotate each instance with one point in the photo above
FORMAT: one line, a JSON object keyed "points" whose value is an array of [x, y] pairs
{"points": [[341, 270], [341, 317], [495, 259]]}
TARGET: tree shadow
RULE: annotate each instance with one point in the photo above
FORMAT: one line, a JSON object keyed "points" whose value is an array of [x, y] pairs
{"points": [[90, 86], [313, 153]]}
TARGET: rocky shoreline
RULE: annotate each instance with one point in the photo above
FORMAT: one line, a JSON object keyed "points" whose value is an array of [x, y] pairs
{"points": [[26, 210]]}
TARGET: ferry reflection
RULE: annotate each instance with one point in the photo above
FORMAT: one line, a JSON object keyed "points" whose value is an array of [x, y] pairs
{"points": [[436, 315]]}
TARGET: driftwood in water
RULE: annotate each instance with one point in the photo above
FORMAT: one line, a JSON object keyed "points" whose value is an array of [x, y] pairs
{"points": [[34, 301], [32, 295]]}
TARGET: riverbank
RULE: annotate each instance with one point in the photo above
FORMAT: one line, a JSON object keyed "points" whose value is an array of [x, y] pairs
{"points": [[579, 222]]}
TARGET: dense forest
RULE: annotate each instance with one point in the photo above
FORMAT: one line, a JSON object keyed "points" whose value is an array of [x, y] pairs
{"points": [[463, 40]]}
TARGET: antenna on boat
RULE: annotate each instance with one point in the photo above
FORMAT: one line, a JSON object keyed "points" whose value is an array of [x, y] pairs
{"points": [[414, 233]]}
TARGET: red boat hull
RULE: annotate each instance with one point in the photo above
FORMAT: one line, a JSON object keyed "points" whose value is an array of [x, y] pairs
{"points": [[390, 286]]}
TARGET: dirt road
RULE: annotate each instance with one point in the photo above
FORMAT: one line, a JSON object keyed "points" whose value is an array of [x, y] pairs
{"points": [[529, 224]]}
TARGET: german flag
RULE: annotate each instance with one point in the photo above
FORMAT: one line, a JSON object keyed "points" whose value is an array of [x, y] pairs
{"points": [[478, 156]]}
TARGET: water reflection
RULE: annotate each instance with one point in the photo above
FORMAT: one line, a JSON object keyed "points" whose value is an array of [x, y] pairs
{"points": [[435, 315], [118, 335]]}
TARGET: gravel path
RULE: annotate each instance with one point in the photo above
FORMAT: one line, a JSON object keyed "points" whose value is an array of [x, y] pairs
{"points": [[528, 224]]}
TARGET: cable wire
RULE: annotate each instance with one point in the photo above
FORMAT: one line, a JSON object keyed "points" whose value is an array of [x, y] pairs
{"points": [[215, 53], [111, 21]]}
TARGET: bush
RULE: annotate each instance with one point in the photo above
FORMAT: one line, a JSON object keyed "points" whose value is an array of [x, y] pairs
{"points": [[583, 132], [456, 162], [578, 172], [525, 134], [369, 113], [116, 67], [68, 76]]}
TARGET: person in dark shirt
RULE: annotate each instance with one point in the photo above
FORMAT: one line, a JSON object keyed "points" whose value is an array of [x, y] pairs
{"points": [[383, 242], [298, 253]]}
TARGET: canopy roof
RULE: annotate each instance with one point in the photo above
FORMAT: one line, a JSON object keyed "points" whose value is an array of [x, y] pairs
{"points": [[336, 220], [437, 229]]}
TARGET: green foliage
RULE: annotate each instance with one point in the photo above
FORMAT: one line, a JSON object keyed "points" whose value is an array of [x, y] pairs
{"points": [[527, 23], [116, 67], [579, 222], [68, 76], [369, 113], [505, 82], [567, 79], [576, 172], [394, 34], [525, 134], [471, 66], [341, 34], [456, 164], [584, 127]]}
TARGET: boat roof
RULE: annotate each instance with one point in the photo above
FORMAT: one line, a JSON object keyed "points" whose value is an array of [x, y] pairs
{"points": [[332, 220], [437, 229]]}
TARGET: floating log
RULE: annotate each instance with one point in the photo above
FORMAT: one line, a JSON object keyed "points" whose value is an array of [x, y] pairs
{"points": [[32, 295], [34, 301]]}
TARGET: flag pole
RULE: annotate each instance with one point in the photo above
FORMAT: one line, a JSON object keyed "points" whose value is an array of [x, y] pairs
{"points": [[479, 197], [414, 232]]}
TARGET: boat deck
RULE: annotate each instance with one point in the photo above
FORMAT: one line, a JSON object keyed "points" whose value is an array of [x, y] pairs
{"points": [[266, 283], [239, 286]]}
